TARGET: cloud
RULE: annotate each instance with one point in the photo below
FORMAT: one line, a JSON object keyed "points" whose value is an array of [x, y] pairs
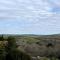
{"points": [[22, 8], [28, 9], [29, 16]]}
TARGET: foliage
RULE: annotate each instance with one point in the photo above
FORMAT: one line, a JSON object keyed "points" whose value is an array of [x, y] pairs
{"points": [[11, 44], [10, 52], [1, 38]]}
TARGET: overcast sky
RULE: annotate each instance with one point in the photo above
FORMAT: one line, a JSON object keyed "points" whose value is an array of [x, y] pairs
{"points": [[29, 16]]}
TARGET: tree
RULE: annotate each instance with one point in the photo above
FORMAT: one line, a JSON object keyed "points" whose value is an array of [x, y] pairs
{"points": [[1, 38], [51, 53], [13, 53], [2, 51], [11, 43], [2, 48], [11, 46]]}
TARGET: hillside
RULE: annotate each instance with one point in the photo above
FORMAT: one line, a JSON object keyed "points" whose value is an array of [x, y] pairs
{"points": [[33, 45], [36, 45]]}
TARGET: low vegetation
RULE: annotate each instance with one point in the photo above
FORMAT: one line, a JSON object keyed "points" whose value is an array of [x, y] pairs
{"points": [[9, 51], [29, 47]]}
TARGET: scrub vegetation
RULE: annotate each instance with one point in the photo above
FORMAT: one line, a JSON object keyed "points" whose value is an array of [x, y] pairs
{"points": [[30, 47]]}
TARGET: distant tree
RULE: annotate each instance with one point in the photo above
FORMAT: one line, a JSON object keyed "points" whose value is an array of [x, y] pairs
{"points": [[58, 54], [49, 45], [1, 38], [11, 43], [51, 53], [2, 52], [11, 46], [13, 53]]}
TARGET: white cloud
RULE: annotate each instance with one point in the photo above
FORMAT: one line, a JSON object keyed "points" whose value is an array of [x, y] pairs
{"points": [[27, 9], [23, 8], [29, 15]]}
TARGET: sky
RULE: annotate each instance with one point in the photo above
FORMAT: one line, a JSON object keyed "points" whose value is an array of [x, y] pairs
{"points": [[30, 17]]}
